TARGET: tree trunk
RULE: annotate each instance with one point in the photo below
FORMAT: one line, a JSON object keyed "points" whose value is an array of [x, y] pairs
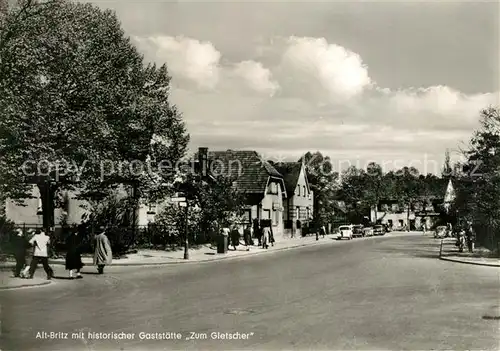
{"points": [[47, 194]]}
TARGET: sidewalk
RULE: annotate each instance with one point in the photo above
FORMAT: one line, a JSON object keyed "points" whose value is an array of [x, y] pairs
{"points": [[7, 280], [450, 253], [203, 253]]}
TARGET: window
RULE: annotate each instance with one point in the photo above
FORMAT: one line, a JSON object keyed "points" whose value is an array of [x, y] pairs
{"points": [[276, 217], [304, 190], [266, 214], [247, 216], [298, 190], [273, 188]]}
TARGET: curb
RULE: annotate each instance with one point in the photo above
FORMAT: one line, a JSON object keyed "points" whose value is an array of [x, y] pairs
{"points": [[25, 286], [469, 262], [146, 264], [254, 253]]}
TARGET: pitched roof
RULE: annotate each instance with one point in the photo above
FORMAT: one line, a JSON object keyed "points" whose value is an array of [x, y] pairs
{"points": [[250, 171], [291, 173]]}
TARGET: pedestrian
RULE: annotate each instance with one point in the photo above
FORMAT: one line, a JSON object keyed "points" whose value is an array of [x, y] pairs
{"points": [[103, 254], [40, 241], [235, 236], [247, 236], [271, 233], [424, 228], [28, 256], [470, 236], [257, 230], [323, 231], [73, 255], [266, 233], [19, 247]]}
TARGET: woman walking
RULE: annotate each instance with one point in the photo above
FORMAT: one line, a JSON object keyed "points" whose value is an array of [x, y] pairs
{"points": [[235, 236], [73, 255], [20, 246], [103, 254]]}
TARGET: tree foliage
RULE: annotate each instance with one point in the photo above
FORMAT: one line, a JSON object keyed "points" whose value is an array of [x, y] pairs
{"points": [[479, 195], [79, 102], [323, 182]]}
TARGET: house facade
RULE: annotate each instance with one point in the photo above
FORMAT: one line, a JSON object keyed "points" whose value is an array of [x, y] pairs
{"points": [[262, 184], [29, 214], [298, 205], [424, 211]]}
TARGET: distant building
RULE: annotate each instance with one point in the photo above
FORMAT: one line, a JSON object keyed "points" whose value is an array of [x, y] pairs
{"points": [[391, 212]]}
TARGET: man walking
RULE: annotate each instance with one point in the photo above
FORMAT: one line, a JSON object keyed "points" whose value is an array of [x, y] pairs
{"points": [[40, 241], [103, 254]]}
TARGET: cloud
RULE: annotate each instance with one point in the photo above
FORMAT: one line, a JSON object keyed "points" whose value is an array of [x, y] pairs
{"points": [[189, 59], [323, 68], [306, 94], [256, 76]]}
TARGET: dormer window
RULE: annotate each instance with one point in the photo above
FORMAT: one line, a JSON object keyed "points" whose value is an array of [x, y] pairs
{"points": [[304, 190], [298, 190]]}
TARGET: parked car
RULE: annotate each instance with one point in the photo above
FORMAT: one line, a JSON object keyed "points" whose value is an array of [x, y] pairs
{"points": [[440, 231], [345, 232], [368, 231], [357, 231], [378, 229]]}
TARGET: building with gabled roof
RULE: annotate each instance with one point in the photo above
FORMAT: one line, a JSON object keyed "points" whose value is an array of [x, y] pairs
{"points": [[299, 204]]}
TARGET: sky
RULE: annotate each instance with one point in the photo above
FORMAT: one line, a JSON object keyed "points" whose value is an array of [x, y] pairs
{"points": [[394, 82]]}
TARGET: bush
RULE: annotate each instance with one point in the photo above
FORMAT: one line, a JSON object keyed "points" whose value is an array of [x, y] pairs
{"points": [[7, 231]]}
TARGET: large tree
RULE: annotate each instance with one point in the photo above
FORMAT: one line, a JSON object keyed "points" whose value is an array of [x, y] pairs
{"points": [[79, 105], [479, 192], [409, 189], [323, 181]]}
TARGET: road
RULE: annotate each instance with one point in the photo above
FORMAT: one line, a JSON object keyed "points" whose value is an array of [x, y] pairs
{"points": [[386, 293]]}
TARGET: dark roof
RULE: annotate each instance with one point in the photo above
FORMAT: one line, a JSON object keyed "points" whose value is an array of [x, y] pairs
{"points": [[290, 172], [249, 170]]}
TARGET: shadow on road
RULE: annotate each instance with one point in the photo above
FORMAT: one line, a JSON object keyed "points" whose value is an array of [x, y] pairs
{"points": [[417, 250]]}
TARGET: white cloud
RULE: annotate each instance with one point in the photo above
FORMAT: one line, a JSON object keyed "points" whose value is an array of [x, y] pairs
{"points": [[256, 76], [321, 67], [312, 95], [187, 58]]}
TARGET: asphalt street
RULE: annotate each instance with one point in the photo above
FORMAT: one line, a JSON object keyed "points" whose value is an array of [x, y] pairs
{"points": [[385, 293]]}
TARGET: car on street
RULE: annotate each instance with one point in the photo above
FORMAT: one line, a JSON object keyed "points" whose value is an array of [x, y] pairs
{"points": [[345, 232], [378, 229], [440, 231], [368, 231], [357, 231]]}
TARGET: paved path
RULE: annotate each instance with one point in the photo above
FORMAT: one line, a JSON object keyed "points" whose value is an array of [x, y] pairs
{"points": [[386, 293]]}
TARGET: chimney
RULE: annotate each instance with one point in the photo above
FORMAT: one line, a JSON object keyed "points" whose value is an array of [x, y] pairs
{"points": [[203, 160]]}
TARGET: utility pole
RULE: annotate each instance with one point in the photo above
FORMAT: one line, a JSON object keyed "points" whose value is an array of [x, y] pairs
{"points": [[186, 241]]}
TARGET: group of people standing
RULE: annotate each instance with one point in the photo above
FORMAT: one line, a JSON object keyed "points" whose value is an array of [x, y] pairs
{"points": [[262, 230], [28, 253]]}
